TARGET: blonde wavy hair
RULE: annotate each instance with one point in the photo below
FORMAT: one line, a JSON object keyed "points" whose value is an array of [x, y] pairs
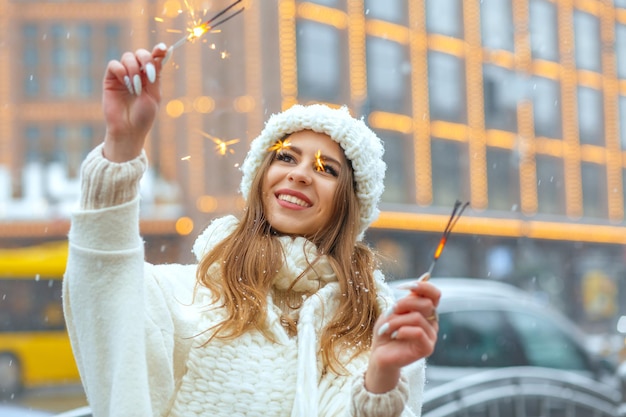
{"points": [[251, 255]]}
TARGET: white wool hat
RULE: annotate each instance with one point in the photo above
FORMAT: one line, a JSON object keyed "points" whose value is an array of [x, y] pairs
{"points": [[361, 146]]}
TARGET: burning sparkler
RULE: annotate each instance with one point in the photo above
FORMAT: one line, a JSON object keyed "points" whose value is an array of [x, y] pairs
{"points": [[458, 209], [199, 28]]}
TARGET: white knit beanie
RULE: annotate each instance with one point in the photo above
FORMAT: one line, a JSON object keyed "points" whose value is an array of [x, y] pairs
{"points": [[361, 146]]}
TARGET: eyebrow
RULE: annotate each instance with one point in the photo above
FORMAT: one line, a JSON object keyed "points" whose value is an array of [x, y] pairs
{"points": [[325, 158]]}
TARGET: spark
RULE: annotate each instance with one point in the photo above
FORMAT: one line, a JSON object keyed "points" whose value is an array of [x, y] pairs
{"points": [[319, 163], [279, 146], [221, 147], [186, 158]]}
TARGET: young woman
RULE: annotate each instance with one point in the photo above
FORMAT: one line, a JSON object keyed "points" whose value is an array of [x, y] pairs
{"points": [[285, 313]]}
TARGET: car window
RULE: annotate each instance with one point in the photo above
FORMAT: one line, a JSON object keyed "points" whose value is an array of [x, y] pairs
{"points": [[475, 339], [546, 344]]}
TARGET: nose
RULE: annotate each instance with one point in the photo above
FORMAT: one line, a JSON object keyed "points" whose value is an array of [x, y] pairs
{"points": [[300, 174]]}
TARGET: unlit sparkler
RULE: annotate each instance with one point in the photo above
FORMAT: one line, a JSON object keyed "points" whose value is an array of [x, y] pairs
{"points": [[459, 207], [200, 28]]}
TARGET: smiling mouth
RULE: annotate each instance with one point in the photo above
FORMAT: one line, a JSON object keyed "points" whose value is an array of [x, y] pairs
{"points": [[293, 200]]}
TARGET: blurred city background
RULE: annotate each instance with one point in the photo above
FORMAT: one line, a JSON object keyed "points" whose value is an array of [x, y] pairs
{"points": [[518, 106]]}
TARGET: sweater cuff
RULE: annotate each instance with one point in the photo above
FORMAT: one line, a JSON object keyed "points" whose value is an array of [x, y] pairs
{"points": [[388, 404], [107, 184]]}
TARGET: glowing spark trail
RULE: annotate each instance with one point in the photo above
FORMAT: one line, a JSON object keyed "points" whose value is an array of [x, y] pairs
{"points": [[319, 164]]}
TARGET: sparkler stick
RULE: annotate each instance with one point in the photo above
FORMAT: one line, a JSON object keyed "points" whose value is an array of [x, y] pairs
{"points": [[458, 209], [200, 29]]}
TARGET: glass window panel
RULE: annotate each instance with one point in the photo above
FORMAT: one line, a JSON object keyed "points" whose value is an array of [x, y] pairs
{"points": [[620, 53], [388, 75], [476, 339], [319, 63], [502, 179], [446, 82], [445, 17], [546, 344], [587, 41], [450, 172], [546, 97], [543, 26], [112, 42], [33, 137], [594, 186], [390, 10], [590, 116], [496, 19], [399, 183], [550, 185], [30, 61], [501, 94]]}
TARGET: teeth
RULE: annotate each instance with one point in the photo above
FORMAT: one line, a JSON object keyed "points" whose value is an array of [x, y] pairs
{"points": [[293, 200]]}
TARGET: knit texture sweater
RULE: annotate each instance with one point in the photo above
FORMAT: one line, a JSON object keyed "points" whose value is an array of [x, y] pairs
{"points": [[140, 336]]}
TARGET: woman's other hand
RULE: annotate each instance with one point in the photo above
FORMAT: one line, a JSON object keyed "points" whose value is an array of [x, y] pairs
{"points": [[403, 335], [131, 97]]}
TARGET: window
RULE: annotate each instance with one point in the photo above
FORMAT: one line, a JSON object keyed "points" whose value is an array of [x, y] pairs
{"points": [[445, 17], [476, 339], [590, 116], [501, 94], [594, 190], [497, 26], [502, 179], [546, 344], [388, 75], [550, 185], [450, 177], [319, 62], [587, 41], [544, 41], [546, 97], [399, 176], [446, 82], [390, 10], [620, 53]]}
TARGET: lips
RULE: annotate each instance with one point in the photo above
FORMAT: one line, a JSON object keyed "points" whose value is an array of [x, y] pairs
{"points": [[294, 197]]}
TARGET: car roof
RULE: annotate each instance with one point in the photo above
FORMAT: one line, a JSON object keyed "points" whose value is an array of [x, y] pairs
{"points": [[464, 287]]}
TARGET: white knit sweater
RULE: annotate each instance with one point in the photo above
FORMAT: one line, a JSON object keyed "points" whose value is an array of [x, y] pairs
{"points": [[138, 332]]}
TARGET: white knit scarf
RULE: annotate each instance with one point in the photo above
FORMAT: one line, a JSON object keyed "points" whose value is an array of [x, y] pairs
{"points": [[301, 260]]}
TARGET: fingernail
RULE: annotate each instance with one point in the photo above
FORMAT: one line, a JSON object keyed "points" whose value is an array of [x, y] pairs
{"points": [[410, 287], [383, 329], [167, 57], [161, 46], [389, 311], [394, 335], [150, 72], [128, 85], [137, 84]]}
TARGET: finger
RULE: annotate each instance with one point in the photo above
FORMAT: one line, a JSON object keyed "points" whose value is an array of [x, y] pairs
{"points": [[425, 289], [414, 319], [133, 71], [412, 303], [116, 76], [147, 68], [160, 55]]}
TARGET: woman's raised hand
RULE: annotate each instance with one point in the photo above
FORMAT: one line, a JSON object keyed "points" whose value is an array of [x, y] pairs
{"points": [[403, 335], [131, 97]]}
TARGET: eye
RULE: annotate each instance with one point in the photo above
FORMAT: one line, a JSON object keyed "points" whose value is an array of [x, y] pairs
{"points": [[327, 168], [285, 157]]}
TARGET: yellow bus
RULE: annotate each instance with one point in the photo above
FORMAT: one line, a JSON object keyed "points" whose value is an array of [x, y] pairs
{"points": [[34, 346]]}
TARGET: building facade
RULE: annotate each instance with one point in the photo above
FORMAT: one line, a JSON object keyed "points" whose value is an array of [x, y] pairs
{"points": [[518, 106]]}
